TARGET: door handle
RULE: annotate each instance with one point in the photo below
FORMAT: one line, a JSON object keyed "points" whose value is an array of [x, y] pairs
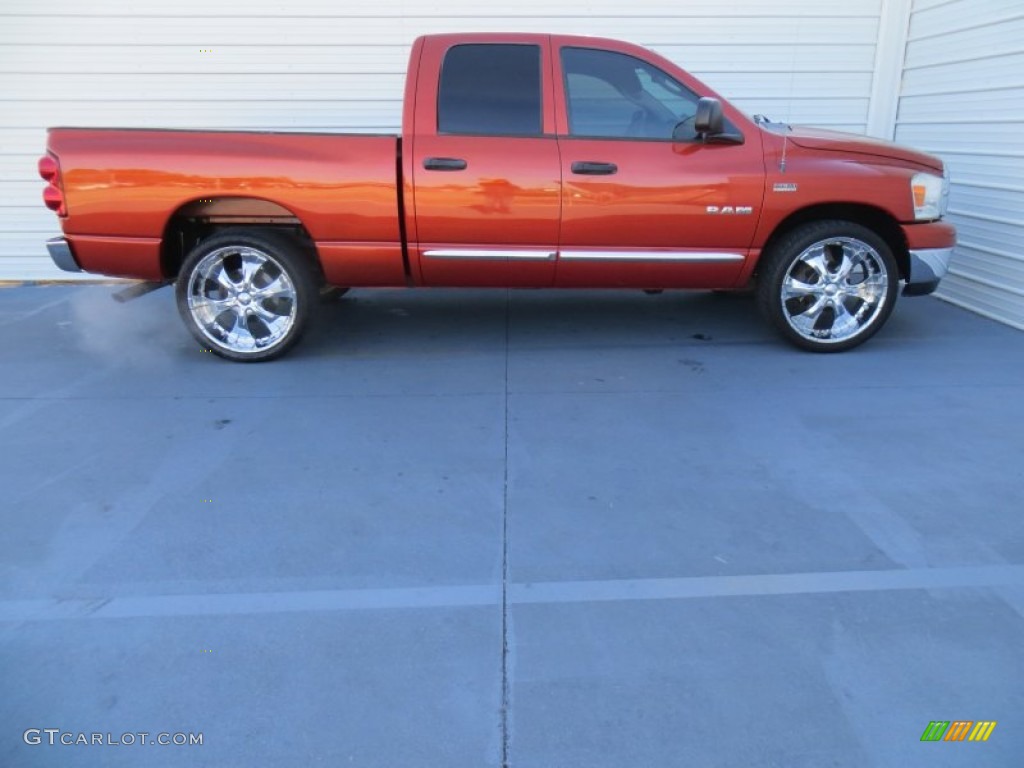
{"points": [[444, 164], [587, 168]]}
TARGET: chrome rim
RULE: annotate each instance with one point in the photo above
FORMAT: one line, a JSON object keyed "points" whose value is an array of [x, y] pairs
{"points": [[242, 299], [834, 290]]}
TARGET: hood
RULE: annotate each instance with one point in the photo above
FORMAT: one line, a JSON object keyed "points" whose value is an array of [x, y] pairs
{"points": [[838, 141]]}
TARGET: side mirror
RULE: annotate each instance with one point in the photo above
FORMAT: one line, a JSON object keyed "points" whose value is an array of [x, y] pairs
{"points": [[709, 120]]}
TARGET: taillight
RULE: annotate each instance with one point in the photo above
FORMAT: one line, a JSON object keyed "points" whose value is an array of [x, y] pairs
{"points": [[53, 195], [48, 168], [54, 199]]}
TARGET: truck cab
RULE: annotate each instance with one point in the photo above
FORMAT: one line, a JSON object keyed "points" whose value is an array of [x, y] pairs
{"points": [[562, 161]]}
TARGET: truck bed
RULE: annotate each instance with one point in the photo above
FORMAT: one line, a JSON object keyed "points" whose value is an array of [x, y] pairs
{"points": [[124, 186]]}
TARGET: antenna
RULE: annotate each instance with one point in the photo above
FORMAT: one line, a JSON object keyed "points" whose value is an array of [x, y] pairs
{"points": [[789, 100]]}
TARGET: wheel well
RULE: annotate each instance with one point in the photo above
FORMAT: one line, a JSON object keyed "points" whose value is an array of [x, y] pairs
{"points": [[874, 219], [197, 220]]}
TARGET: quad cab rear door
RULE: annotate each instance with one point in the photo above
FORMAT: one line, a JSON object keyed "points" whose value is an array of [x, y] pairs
{"points": [[483, 161]]}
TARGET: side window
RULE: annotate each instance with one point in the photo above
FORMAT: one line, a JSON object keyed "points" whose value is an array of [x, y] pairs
{"points": [[490, 90], [613, 95]]}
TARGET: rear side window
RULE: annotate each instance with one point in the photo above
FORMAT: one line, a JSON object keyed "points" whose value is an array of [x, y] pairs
{"points": [[490, 90]]}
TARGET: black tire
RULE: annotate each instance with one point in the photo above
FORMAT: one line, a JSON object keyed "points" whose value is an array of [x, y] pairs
{"points": [[828, 285], [247, 294]]}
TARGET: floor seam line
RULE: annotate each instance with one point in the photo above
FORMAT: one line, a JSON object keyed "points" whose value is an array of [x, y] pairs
{"points": [[504, 560]]}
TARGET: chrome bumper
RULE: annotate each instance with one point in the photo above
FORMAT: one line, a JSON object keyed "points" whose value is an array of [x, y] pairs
{"points": [[927, 267], [61, 254]]}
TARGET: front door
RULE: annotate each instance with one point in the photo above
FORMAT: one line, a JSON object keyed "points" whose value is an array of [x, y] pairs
{"points": [[645, 203]]}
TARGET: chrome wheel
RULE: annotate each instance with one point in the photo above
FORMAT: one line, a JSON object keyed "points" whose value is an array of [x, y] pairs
{"points": [[242, 299], [827, 285], [835, 290]]}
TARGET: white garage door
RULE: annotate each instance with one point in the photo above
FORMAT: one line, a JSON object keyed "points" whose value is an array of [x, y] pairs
{"points": [[332, 65], [963, 99]]}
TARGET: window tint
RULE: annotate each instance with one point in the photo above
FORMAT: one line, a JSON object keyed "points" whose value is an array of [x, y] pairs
{"points": [[619, 96], [490, 90]]}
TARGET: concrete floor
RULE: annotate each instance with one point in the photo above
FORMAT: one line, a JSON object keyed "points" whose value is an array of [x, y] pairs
{"points": [[539, 528]]}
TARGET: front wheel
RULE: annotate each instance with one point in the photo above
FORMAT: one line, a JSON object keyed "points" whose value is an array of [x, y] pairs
{"points": [[246, 295], [828, 285]]}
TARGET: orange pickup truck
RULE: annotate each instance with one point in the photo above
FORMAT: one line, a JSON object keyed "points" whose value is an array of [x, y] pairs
{"points": [[525, 160]]}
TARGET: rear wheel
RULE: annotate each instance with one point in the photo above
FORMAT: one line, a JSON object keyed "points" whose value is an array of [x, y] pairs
{"points": [[828, 285], [247, 295]]}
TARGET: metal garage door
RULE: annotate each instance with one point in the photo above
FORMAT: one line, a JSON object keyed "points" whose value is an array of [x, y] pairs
{"points": [[963, 99], [330, 65]]}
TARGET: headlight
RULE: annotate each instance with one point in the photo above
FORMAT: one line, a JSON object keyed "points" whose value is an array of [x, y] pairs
{"points": [[930, 193]]}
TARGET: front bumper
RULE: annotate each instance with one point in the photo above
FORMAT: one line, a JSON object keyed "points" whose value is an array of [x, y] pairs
{"points": [[927, 267], [60, 252], [930, 246]]}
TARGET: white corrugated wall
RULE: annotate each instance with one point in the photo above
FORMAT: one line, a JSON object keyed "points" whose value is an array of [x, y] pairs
{"points": [[963, 98], [330, 65]]}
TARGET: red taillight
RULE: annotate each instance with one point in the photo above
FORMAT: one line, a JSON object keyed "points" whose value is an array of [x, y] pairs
{"points": [[53, 196], [54, 199], [48, 167]]}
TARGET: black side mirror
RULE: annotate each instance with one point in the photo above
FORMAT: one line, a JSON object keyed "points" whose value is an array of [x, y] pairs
{"points": [[709, 120]]}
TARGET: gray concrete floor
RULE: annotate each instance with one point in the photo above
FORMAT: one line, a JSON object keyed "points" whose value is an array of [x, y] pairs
{"points": [[540, 528]]}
